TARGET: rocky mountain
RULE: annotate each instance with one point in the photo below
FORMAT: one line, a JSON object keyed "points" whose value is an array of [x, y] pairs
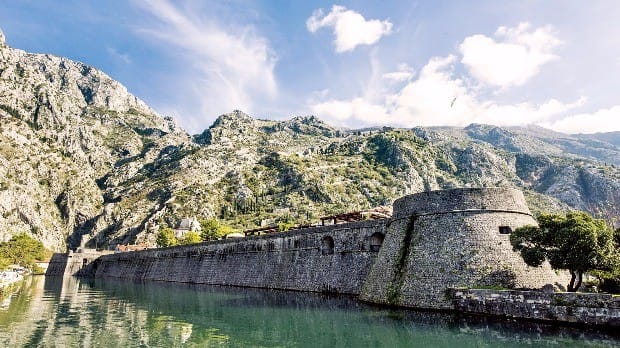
{"points": [[85, 163]]}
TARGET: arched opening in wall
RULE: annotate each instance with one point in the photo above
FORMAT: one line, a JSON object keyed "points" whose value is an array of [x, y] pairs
{"points": [[327, 246], [505, 230], [84, 263], [376, 240]]}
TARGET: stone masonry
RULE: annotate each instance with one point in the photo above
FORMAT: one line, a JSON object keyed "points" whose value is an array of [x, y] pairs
{"points": [[435, 241], [454, 238], [332, 259], [590, 309], [72, 262]]}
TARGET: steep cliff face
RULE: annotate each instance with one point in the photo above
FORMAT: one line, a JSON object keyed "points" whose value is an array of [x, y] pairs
{"points": [[84, 162], [68, 132]]}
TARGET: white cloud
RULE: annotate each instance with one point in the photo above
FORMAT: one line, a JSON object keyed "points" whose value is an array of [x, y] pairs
{"points": [[514, 59], [436, 98], [525, 113], [404, 73], [429, 99], [229, 68], [114, 53], [604, 120], [350, 28], [355, 113]]}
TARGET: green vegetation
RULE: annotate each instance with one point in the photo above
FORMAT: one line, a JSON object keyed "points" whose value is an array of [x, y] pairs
{"points": [[166, 238], [395, 286], [285, 226], [22, 250], [575, 242], [212, 229], [4, 263], [609, 281], [190, 238]]}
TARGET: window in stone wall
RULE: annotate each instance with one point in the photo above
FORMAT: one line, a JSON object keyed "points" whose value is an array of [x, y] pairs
{"points": [[327, 247], [505, 230], [376, 240]]}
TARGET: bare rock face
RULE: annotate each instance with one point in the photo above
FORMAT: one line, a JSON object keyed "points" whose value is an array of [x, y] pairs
{"points": [[85, 163], [65, 128]]}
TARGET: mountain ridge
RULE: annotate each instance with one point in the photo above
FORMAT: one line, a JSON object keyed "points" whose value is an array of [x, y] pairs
{"points": [[85, 163]]}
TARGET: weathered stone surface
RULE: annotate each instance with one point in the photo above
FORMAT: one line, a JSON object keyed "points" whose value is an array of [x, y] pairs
{"points": [[421, 256], [590, 309], [501, 199], [296, 260], [72, 263], [451, 238], [427, 260]]}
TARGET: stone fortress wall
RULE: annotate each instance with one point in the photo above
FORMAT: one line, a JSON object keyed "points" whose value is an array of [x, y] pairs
{"points": [[333, 259], [453, 238], [567, 307], [72, 262], [435, 241]]}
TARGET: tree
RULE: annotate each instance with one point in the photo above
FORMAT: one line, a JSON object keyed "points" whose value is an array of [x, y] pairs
{"points": [[208, 229], [576, 242], [166, 238], [22, 250], [285, 226], [190, 238], [211, 229], [609, 281]]}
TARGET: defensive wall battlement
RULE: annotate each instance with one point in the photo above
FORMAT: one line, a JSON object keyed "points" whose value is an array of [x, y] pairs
{"points": [[481, 200], [334, 258], [435, 241]]}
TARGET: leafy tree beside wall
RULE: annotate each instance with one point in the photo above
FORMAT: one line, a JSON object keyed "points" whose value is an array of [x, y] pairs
{"points": [[22, 250], [212, 229], [575, 242], [609, 281], [165, 238], [190, 238]]}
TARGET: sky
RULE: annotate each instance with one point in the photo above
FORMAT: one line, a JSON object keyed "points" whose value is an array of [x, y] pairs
{"points": [[353, 64]]}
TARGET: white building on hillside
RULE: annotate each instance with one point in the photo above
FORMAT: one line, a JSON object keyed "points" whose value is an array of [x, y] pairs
{"points": [[186, 225]]}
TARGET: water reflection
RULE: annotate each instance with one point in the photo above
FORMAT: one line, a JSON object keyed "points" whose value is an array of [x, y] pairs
{"points": [[51, 312]]}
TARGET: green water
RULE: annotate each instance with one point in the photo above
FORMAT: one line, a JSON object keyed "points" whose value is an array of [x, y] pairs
{"points": [[57, 312]]}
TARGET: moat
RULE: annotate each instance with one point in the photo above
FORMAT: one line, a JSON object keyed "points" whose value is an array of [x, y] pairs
{"points": [[56, 311]]}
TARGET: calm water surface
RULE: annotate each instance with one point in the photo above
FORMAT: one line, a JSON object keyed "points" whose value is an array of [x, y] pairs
{"points": [[68, 312]]}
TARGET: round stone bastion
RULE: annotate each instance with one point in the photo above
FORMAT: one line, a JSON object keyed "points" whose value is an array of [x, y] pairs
{"points": [[453, 238]]}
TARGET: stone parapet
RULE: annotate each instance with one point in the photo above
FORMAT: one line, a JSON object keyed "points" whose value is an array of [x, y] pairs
{"points": [[461, 199], [333, 259], [564, 307]]}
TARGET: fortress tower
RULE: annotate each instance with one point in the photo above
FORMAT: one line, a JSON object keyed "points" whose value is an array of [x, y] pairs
{"points": [[452, 238]]}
